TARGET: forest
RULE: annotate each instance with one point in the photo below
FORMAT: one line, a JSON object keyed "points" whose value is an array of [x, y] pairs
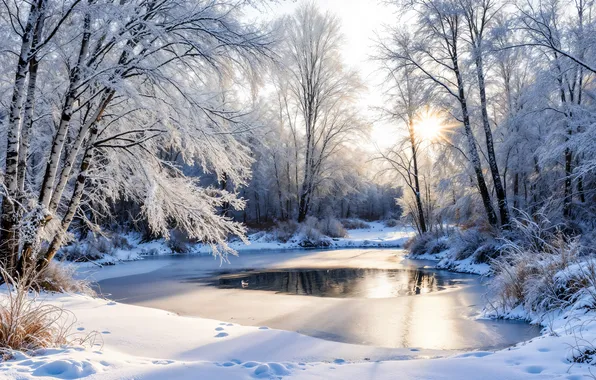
{"points": [[467, 126]]}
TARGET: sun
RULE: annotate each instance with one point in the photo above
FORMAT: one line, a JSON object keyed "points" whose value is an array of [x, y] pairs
{"points": [[429, 126]]}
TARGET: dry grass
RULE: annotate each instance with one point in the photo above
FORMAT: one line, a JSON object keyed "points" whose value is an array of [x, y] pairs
{"points": [[60, 278], [542, 270], [27, 323]]}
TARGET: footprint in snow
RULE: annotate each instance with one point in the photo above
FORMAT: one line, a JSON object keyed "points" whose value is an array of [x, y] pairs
{"points": [[81, 328], [106, 332], [223, 324], [111, 303], [544, 349], [263, 328], [230, 324], [534, 369], [339, 361], [221, 335], [219, 329]]}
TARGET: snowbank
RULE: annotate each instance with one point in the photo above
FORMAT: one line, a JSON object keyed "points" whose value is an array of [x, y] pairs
{"points": [[145, 343], [376, 236], [446, 260]]}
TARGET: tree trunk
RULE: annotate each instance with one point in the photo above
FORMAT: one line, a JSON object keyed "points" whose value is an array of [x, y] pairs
{"points": [[9, 218], [474, 156], [420, 209], [74, 203], [490, 149]]}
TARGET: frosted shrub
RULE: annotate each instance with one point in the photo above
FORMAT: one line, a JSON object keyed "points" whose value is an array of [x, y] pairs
{"points": [[120, 241], [58, 277], [392, 223], [429, 242], [466, 243], [543, 270], [285, 230], [79, 252], [178, 242], [331, 227], [309, 229], [354, 224]]}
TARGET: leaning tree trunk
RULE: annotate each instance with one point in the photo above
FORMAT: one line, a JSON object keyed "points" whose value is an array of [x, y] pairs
{"points": [[474, 156], [492, 160], [30, 245], [73, 204]]}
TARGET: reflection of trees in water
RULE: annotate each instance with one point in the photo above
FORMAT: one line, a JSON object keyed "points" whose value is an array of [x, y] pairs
{"points": [[343, 282]]}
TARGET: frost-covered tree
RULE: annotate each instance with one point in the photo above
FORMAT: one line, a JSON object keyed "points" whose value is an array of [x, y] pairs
{"points": [[320, 94], [436, 49], [97, 90]]}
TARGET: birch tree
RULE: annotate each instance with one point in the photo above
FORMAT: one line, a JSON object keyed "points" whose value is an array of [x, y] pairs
{"points": [[130, 79], [436, 52], [478, 15]]}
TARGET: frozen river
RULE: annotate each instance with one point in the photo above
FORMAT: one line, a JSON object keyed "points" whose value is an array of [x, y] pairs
{"points": [[371, 297]]}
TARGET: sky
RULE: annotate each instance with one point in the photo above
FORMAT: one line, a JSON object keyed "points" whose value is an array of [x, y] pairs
{"points": [[361, 22]]}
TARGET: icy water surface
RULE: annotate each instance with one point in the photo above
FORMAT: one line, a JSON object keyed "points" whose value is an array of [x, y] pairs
{"points": [[339, 282], [373, 297]]}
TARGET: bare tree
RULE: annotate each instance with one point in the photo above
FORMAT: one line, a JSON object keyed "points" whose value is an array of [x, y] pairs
{"points": [[409, 96], [435, 52], [321, 89], [478, 15]]}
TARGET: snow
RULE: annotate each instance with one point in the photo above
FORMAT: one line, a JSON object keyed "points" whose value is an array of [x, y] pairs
{"points": [[134, 342], [445, 260], [377, 235], [143, 343]]}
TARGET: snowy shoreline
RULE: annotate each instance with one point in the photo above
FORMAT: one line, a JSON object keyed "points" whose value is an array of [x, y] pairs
{"points": [[149, 344], [376, 236]]}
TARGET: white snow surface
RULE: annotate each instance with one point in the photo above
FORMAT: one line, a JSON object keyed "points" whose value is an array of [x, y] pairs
{"points": [[377, 236], [445, 261], [135, 342], [143, 343]]}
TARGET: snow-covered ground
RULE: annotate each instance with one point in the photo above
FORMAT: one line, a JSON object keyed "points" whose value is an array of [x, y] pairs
{"points": [[376, 236], [142, 343], [135, 342], [445, 261]]}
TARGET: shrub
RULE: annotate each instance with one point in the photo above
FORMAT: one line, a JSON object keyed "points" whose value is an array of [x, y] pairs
{"points": [[285, 230], [79, 252], [331, 227], [437, 245], [486, 253], [309, 229], [120, 242], [354, 224], [542, 270], [466, 243], [58, 277], [178, 242], [392, 223], [429, 242]]}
